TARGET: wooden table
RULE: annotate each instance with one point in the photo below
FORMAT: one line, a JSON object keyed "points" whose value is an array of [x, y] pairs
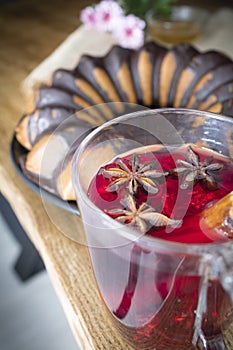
{"points": [[30, 31]]}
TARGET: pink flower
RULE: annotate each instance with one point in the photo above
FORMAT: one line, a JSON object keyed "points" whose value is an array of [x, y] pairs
{"points": [[108, 16], [88, 16], [129, 31], [107, 11]]}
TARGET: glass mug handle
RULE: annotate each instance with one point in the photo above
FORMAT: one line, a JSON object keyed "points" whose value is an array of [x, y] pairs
{"points": [[212, 268], [225, 268], [215, 267]]}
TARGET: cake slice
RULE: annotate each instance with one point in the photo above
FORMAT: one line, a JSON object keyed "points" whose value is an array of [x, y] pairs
{"points": [[209, 82], [219, 95], [173, 63], [193, 74], [145, 66], [49, 157], [34, 124], [75, 84], [116, 63]]}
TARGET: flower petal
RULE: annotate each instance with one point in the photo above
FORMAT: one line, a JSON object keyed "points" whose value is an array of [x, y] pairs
{"points": [[139, 225], [184, 164], [188, 180], [159, 220], [135, 162], [129, 203], [123, 166], [148, 185], [154, 173], [114, 172], [207, 161], [133, 186], [210, 183], [116, 211], [214, 167], [148, 166], [192, 157], [88, 17], [107, 13], [115, 185], [122, 219], [129, 32]]}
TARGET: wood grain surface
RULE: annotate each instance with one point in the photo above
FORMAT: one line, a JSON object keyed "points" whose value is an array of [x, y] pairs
{"points": [[29, 31]]}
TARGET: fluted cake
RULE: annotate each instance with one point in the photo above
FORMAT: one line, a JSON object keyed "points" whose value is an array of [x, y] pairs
{"points": [[152, 76]]}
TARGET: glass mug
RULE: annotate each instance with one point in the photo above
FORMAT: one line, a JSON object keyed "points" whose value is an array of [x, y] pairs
{"points": [[160, 294]]}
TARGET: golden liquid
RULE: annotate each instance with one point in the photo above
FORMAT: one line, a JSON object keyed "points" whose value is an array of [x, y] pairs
{"points": [[174, 31]]}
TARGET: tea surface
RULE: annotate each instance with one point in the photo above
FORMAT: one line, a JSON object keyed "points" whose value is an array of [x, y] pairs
{"points": [[177, 183]]}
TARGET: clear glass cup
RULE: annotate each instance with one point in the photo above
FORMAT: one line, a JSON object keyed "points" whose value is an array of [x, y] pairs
{"points": [[159, 294]]}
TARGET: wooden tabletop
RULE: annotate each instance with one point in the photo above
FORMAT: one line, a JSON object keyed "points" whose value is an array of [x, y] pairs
{"points": [[30, 30]]}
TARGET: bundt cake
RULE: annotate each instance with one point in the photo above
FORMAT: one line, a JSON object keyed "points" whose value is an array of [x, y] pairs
{"points": [[100, 88]]}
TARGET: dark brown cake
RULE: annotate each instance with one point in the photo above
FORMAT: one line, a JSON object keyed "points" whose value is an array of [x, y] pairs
{"points": [[151, 76]]}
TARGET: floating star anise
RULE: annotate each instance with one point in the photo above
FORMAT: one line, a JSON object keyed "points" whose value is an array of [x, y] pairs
{"points": [[193, 170], [134, 175], [142, 218]]}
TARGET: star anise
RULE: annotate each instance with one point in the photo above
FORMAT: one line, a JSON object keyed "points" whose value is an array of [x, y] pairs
{"points": [[142, 218], [193, 170], [134, 175]]}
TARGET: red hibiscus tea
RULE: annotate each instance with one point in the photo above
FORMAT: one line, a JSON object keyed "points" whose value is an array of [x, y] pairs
{"points": [[158, 302]]}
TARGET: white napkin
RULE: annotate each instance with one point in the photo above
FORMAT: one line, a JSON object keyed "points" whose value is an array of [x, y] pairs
{"points": [[81, 41], [219, 33]]}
